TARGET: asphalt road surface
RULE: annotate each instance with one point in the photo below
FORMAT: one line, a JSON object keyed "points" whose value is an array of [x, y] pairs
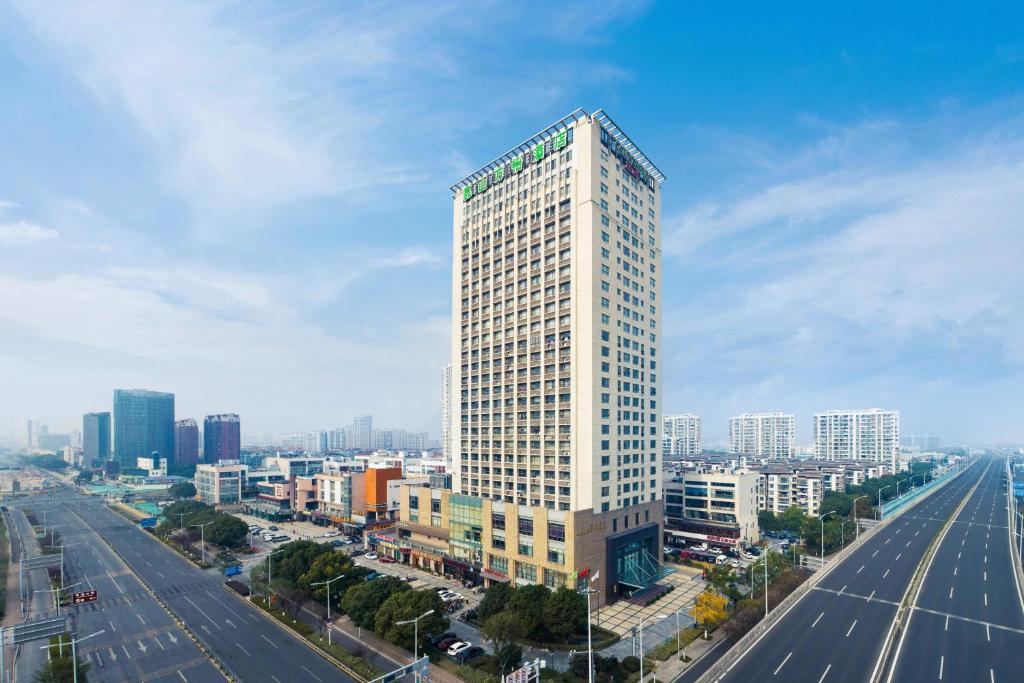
{"points": [[250, 645], [968, 621], [836, 632], [140, 641]]}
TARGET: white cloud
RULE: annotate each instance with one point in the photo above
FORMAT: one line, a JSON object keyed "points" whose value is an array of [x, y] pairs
{"points": [[24, 232]]}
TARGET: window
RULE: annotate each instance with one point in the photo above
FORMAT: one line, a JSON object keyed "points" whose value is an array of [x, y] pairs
{"points": [[556, 532], [554, 580], [498, 541], [556, 555], [414, 503], [527, 572], [499, 564], [525, 547], [497, 521], [526, 526], [435, 506]]}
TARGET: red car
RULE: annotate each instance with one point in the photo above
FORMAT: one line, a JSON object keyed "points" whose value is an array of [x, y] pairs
{"points": [[388, 560]]}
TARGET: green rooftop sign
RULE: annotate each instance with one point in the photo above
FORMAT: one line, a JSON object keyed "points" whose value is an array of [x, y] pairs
{"points": [[516, 164]]}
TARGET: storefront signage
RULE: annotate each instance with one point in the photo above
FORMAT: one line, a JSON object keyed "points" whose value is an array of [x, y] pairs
{"points": [[516, 164], [629, 162]]}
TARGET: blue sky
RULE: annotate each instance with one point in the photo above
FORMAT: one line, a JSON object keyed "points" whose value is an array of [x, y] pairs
{"points": [[246, 203]]}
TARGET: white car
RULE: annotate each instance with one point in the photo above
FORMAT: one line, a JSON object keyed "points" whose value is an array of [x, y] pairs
{"points": [[370, 556], [458, 647]]}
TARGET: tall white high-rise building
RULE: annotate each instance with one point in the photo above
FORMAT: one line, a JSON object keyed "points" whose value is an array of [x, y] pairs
{"points": [[361, 434], [556, 333], [680, 435], [872, 434], [763, 435], [446, 411]]}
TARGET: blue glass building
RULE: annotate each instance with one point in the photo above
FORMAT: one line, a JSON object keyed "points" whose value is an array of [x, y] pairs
{"points": [[143, 424]]}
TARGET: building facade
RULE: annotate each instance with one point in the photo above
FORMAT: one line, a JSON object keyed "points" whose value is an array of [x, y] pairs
{"points": [[143, 425], [770, 436], [220, 483], [718, 507], [447, 432], [361, 434], [221, 437], [681, 435], [556, 324], [186, 442], [872, 435], [95, 438]]}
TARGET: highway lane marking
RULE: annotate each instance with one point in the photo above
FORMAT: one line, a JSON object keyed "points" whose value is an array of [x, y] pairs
{"points": [[874, 553], [276, 645], [958, 555], [851, 628], [853, 595], [841, 590], [243, 650], [988, 632], [112, 627], [954, 570], [113, 581], [885, 574], [159, 643], [125, 648], [942, 664], [986, 599], [141, 620], [320, 679], [276, 679], [201, 611], [861, 569], [887, 541], [992, 675], [182, 676], [907, 545], [947, 623], [984, 576], [898, 556], [827, 669], [872, 596]]}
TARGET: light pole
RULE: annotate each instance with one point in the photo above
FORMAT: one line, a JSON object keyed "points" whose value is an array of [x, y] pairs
{"points": [[415, 632], [880, 499], [74, 656], [56, 594], [855, 523], [270, 573], [590, 650], [328, 584], [822, 519], [656, 616], [1020, 528], [202, 537]]}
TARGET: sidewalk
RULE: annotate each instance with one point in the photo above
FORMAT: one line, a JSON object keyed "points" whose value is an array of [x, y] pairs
{"points": [[672, 668]]}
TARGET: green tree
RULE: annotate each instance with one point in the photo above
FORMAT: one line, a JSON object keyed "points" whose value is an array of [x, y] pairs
{"points": [[183, 489], [565, 613], [59, 670], [328, 566], [723, 579], [767, 521], [527, 603], [227, 530], [407, 605], [296, 559], [495, 600], [504, 630], [194, 513], [361, 602], [793, 519]]}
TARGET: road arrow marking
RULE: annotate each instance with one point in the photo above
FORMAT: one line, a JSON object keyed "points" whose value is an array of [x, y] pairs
{"points": [[173, 638], [141, 646]]}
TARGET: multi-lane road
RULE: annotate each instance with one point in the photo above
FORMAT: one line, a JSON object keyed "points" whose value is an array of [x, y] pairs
{"points": [[968, 620], [837, 631], [138, 629]]}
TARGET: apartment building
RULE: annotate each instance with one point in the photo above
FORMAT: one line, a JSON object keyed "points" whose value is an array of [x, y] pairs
{"points": [[770, 436], [556, 324], [447, 428], [783, 487], [680, 436], [364, 497], [872, 435], [717, 506]]}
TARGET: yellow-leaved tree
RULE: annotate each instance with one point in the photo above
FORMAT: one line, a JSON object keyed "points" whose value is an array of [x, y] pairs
{"points": [[709, 609]]}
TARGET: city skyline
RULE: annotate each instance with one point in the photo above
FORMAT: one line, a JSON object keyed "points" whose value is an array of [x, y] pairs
{"points": [[859, 151]]}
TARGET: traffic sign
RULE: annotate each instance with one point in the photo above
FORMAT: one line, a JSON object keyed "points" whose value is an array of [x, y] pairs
{"points": [[83, 597], [233, 570]]}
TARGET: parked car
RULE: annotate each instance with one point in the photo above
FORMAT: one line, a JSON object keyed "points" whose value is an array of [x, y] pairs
{"points": [[357, 553], [273, 528], [371, 556], [281, 537], [388, 560], [734, 563], [373, 575], [446, 643], [434, 640], [409, 579], [472, 653], [459, 647], [337, 544]]}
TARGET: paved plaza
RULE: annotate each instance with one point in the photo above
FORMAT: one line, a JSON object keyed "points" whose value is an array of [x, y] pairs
{"points": [[623, 615]]}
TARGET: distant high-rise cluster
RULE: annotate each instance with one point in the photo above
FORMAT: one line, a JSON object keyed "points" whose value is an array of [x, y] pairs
{"points": [[95, 438], [763, 435], [360, 435], [681, 435]]}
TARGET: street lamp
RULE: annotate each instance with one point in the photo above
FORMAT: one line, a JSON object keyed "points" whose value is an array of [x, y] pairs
{"points": [[202, 537], [590, 650], [74, 656], [822, 519], [328, 584], [56, 594], [880, 499], [656, 616], [270, 571], [415, 631], [855, 523]]}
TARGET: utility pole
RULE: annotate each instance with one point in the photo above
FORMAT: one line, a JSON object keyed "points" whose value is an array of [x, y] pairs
{"points": [[202, 537], [328, 584], [415, 632]]}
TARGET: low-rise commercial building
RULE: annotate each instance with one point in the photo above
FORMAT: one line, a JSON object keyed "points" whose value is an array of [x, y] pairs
{"points": [[716, 506], [220, 484]]}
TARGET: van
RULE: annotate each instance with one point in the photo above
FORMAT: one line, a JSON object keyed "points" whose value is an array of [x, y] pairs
{"points": [[721, 559]]}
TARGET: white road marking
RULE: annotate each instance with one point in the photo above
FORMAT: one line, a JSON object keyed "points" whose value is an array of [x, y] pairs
{"points": [[182, 676], [827, 668], [143, 621], [951, 592], [320, 679], [885, 574], [861, 569], [275, 644], [947, 623], [942, 664], [851, 628], [243, 650]]}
